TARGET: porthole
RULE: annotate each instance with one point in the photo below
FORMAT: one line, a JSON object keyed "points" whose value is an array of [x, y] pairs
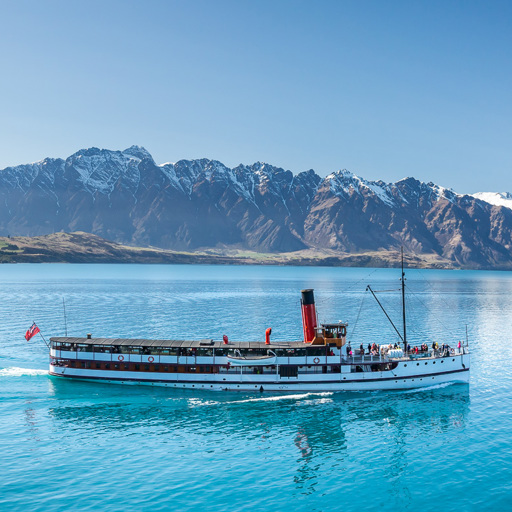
{"points": [[434, 362], [417, 364], [405, 365], [426, 363], [453, 359], [442, 361]]}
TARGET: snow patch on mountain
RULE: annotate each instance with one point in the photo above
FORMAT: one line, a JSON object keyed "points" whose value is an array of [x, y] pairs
{"points": [[343, 182], [495, 198]]}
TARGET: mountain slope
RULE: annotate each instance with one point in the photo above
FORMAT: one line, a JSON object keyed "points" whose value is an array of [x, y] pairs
{"points": [[126, 197]]}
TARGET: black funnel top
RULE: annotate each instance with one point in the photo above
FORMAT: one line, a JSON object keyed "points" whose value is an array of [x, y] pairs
{"points": [[308, 297]]}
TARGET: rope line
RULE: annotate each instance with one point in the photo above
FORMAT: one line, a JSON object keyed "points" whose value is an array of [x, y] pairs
{"points": [[359, 313]]}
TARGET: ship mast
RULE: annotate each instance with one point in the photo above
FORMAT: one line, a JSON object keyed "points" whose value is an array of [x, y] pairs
{"points": [[403, 301]]}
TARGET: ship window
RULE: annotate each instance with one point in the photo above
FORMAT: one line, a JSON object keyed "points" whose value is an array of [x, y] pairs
{"points": [[116, 366], [315, 351], [146, 367], [220, 352], [126, 366], [137, 367], [175, 369], [83, 364], [107, 366], [288, 371], [98, 365], [156, 368], [166, 368], [205, 352]]}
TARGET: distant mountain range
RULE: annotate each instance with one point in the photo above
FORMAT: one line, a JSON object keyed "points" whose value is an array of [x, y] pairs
{"points": [[192, 205]]}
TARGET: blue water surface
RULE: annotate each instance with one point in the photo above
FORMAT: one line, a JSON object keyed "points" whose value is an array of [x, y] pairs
{"points": [[90, 446]]}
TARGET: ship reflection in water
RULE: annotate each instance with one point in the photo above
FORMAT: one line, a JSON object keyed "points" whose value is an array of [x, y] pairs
{"points": [[317, 442]]}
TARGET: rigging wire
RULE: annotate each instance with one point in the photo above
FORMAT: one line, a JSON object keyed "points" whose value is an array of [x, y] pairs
{"points": [[322, 301], [432, 289], [359, 313], [416, 295]]}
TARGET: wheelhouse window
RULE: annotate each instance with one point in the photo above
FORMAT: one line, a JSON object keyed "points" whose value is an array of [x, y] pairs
{"points": [[70, 347]]}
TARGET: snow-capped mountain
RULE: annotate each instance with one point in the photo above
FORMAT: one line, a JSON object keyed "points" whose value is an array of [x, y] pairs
{"points": [[496, 198], [192, 204]]}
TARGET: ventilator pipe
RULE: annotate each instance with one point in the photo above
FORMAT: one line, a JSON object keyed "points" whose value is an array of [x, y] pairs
{"points": [[268, 332], [225, 338]]}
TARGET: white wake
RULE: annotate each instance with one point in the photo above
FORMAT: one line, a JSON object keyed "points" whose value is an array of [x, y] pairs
{"points": [[14, 371], [430, 388]]}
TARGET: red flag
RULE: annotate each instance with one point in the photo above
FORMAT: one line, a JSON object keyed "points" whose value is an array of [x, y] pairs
{"points": [[32, 332]]}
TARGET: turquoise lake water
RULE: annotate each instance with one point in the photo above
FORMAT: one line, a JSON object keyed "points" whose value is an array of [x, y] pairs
{"points": [[90, 446]]}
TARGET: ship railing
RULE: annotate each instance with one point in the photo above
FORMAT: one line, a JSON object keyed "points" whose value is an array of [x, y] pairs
{"points": [[366, 358]]}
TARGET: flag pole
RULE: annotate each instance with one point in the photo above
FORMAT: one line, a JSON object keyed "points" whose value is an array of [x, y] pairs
{"points": [[41, 334], [65, 317]]}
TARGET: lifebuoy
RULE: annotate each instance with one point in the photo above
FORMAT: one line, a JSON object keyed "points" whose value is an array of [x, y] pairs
{"points": [[452, 351], [151, 359], [343, 331], [120, 358], [316, 360]]}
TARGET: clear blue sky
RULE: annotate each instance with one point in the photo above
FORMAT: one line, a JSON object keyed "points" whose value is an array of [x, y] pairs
{"points": [[386, 89]]}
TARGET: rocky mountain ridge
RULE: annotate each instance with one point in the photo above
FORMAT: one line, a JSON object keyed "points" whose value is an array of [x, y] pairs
{"points": [[126, 197]]}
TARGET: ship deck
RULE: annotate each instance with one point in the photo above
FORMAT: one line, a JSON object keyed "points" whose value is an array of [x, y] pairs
{"points": [[202, 343]]}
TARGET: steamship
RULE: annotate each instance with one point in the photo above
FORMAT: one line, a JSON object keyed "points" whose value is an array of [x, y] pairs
{"points": [[323, 361]]}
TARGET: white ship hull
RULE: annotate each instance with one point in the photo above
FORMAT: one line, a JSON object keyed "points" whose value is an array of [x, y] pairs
{"points": [[408, 374]]}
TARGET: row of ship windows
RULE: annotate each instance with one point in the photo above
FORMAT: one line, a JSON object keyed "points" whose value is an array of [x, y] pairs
{"points": [[191, 352], [287, 371], [442, 361]]}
